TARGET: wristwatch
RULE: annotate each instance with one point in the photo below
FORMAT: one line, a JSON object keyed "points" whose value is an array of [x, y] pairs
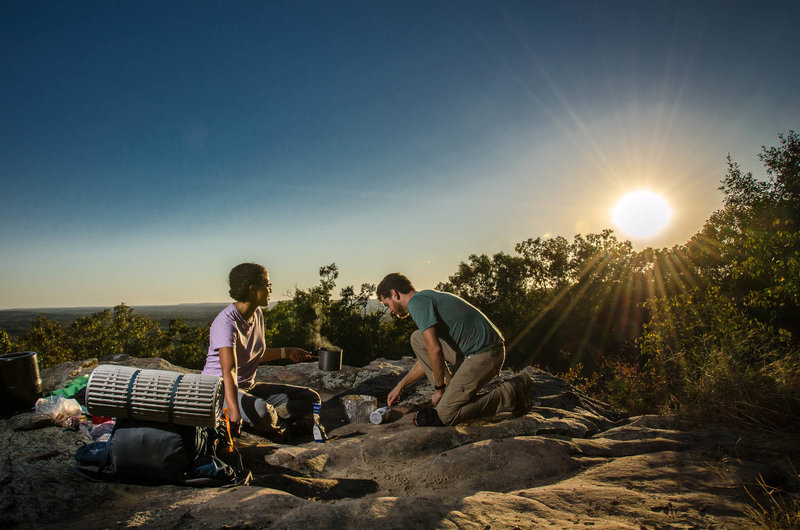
{"points": [[440, 387]]}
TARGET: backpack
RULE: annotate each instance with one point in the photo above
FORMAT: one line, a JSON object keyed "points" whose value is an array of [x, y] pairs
{"points": [[140, 451]]}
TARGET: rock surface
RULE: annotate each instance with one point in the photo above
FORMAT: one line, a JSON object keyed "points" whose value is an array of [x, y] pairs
{"points": [[570, 462]]}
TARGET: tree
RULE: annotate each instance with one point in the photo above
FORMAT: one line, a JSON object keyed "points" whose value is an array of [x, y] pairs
{"points": [[315, 319], [117, 331], [499, 286], [558, 304], [311, 308], [282, 327], [751, 247], [721, 340], [5, 342], [47, 338], [185, 345], [349, 323]]}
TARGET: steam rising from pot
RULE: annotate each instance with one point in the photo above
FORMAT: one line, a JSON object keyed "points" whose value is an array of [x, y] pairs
{"points": [[315, 332]]}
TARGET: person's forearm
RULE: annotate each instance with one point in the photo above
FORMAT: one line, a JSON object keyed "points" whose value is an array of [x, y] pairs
{"points": [[289, 352], [415, 374], [231, 388], [273, 354], [435, 354], [437, 366]]}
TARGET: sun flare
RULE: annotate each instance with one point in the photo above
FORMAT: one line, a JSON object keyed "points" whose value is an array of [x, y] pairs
{"points": [[641, 214]]}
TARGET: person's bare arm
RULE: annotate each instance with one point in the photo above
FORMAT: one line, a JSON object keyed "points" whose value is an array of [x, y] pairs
{"points": [[227, 362], [413, 375], [295, 354], [436, 356]]}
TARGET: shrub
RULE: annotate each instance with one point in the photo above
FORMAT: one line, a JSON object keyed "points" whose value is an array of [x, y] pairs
{"points": [[704, 358]]}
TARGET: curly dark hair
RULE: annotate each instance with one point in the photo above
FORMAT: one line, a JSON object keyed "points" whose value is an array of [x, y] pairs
{"points": [[244, 276], [396, 281]]}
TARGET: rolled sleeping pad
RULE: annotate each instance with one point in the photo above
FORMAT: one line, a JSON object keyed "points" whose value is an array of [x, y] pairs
{"points": [[154, 395]]}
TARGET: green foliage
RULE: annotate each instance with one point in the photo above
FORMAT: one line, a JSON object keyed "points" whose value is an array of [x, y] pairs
{"points": [[751, 247], [116, 331], [722, 342], [5, 342], [709, 329], [500, 286], [185, 345], [314, 319], [113, 332], [281, 327], [348, 323], [704, 357], [559, 304], [47, 338]]}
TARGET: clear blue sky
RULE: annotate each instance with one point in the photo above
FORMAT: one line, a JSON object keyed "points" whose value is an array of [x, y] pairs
{"points": [[147, 147]]}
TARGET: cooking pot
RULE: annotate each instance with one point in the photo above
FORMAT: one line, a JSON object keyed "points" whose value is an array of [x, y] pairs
{"points": [[330, 360]]}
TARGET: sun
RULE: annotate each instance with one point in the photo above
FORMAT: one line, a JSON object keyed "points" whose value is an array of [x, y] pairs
{"points": [[641, 214]]}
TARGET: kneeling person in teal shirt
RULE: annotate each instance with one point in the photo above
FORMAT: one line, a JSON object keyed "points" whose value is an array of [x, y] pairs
{"points": [[453, 330]]}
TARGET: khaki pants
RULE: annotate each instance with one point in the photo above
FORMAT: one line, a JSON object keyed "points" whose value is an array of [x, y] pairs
{"points": [[461, 401]]}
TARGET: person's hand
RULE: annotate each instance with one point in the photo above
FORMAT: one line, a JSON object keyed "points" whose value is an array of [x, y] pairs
{"points": [[436, 397], [235, 421], [298, 355], [394, 395]]}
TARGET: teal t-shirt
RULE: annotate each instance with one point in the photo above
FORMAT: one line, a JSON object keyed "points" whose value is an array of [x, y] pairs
{"points": [[456, 319]]}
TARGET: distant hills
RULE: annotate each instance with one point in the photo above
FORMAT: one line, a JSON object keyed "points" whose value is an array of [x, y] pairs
{"points": [[17, 321]]}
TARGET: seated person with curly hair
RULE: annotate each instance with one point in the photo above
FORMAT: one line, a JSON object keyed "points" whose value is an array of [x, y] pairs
{"points": [[237, 346]]}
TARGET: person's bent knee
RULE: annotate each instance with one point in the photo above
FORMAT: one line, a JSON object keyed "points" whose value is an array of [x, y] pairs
{"points": [[260, 415], [448, 415]]}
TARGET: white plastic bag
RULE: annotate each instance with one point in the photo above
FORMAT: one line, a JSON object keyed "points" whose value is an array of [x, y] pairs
{"points": [[60, 406]]}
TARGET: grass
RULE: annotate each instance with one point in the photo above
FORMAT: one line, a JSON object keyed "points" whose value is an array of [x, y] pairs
{"points": [[773, 507]]}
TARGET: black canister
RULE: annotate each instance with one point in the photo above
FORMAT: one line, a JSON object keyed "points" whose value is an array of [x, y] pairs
{"points": [[330, 360], [20, 384]]}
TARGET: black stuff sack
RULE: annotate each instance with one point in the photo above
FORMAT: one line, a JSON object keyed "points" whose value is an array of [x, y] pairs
{"points": [[151, 451], [157, 452]]}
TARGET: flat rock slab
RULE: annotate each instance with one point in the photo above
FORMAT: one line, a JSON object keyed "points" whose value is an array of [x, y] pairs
{"points": [[570, 462]]}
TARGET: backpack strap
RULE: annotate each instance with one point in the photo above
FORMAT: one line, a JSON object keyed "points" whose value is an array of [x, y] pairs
{"points": [[134, 375], [172, 397]]}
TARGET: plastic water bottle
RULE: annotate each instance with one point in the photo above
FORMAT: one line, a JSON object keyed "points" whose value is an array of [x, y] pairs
{"points": [[380, 415], [318, 430]]}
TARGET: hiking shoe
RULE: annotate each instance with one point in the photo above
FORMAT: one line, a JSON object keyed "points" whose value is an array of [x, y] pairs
{"points": [[427, 417], [523, 393]]}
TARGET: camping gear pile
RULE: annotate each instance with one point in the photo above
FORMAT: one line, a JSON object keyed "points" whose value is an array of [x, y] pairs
{"points": [[169, 428]]}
